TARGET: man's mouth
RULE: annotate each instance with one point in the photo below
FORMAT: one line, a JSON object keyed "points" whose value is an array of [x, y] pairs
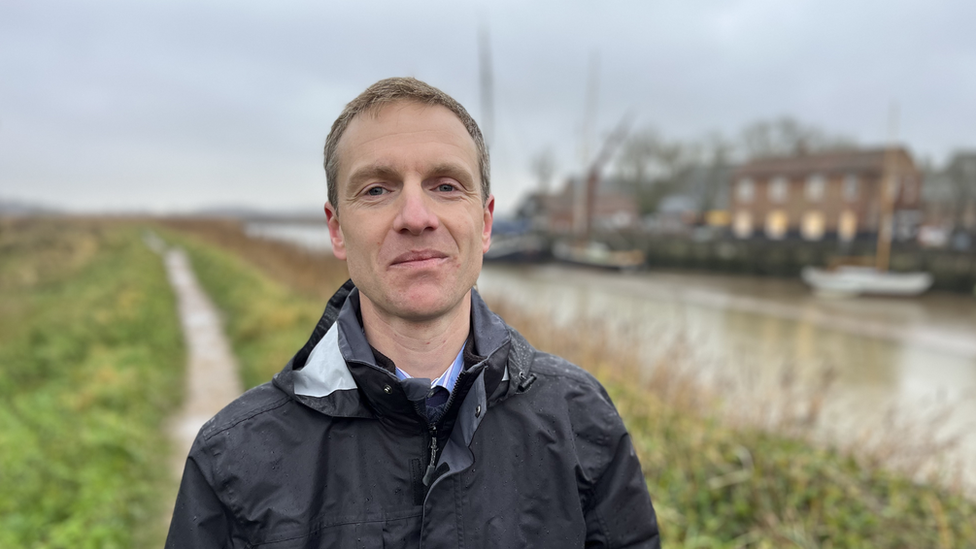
{"points": [[418, 258]]}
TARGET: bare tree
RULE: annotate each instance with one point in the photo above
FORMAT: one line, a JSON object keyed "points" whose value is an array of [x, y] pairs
{"points": [[787, 136], [717, 155], [636, 158], [651, 166]]}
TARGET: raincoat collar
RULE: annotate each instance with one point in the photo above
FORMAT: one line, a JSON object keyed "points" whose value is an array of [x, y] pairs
{"points": [[336, 373]]}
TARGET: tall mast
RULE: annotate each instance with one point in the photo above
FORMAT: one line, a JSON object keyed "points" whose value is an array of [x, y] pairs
{"points": [[889, 188], [594, 174], [487, 85], [589, 114], [582, 204]]}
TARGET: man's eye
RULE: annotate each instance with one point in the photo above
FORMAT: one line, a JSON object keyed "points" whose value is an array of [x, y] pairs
{"points": [[446, 187], [375, 191]]}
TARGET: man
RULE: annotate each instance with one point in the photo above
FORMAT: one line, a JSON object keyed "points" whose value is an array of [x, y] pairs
{"points": [[352, 444]]}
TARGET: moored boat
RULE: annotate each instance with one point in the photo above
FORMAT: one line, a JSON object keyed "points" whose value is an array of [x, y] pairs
{"points": [[851, 280], [597, 254]]}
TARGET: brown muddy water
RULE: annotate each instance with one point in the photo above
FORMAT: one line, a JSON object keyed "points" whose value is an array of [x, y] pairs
{"points": [[901, 367]]}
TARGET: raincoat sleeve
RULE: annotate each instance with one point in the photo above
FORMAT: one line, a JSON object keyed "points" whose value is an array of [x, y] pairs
{"points": [[200, 518], [619, 513], [616, 504]]}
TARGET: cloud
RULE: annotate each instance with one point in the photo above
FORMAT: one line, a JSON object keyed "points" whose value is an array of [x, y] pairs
{"points": [[175, 105]]}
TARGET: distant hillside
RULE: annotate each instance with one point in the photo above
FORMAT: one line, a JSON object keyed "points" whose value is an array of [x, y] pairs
{"points": [[17, 208], [310, 214]]}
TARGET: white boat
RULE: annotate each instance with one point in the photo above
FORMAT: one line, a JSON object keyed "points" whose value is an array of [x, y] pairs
{"points": [[849, 280]]}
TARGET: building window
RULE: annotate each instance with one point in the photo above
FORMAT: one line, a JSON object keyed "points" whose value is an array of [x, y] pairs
{"points": [[745, 189], [851, 188], [778, 190], [742, 224], [847, 226], [812, 227], [815, 188], [776, 224]]}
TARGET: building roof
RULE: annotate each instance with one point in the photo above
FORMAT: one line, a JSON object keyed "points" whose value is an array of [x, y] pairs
{"points": [[845, 161]]}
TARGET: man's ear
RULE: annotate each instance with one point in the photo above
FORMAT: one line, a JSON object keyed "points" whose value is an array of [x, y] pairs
{"points": [[489, 217], [335, 232]]}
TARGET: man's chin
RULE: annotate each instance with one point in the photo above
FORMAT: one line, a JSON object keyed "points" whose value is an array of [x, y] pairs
{"points": [[423, 311], [420, 304]]}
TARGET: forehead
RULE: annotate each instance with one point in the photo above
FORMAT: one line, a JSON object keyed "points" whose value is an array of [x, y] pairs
{"points": [[405, 135]]}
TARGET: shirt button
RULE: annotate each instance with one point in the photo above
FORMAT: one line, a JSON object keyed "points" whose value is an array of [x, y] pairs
{"points": [[477, 411]]}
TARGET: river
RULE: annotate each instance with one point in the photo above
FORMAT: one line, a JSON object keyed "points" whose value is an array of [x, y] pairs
{"points": [[902, 366]]}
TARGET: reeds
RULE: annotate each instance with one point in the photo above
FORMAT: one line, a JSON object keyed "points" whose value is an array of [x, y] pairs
{"points": [[727, 465]]}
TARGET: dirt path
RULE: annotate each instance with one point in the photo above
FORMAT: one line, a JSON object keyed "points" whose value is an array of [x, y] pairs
{"points": [[212, 380]]}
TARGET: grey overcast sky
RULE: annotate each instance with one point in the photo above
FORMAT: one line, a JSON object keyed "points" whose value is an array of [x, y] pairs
{"points": [[175, 105]]}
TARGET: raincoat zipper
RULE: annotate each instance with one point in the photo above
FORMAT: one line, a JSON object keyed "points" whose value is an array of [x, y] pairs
{"points": [[432, 429], [429, 474]]}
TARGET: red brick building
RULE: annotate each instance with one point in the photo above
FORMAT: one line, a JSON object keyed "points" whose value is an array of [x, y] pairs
{"points": [[824, 195]]}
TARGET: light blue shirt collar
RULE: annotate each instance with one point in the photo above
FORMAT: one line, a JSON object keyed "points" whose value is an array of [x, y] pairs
{"points": [[448, 378]]}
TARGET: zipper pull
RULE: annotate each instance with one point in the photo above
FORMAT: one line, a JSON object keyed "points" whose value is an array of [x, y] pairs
{"points": [[429, 474]]}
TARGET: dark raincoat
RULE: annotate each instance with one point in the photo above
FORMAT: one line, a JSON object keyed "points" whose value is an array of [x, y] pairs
{"points": [[336, 452]]}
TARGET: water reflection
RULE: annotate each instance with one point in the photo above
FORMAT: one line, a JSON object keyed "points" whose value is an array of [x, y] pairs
{"points": [[311, 236], [888, 354]]}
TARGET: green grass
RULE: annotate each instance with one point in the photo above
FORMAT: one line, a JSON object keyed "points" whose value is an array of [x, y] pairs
{"points": [[91, 359], [714, 485]]}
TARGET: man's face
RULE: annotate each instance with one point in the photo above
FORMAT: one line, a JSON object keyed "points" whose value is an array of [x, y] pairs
{"points": [[410, 221]]}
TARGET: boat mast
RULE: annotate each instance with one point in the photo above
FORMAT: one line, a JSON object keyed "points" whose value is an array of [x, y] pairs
{"points": [[888, 190], [582, 200], [594, 173], [486, 85]]}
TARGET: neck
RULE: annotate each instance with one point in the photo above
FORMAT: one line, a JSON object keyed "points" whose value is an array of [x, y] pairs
{"points": [[419, 348]]}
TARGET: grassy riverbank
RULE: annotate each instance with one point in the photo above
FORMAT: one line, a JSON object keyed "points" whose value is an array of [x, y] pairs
{"points": [[718, 484], [271, 295], [91, 359], [714, 484]]}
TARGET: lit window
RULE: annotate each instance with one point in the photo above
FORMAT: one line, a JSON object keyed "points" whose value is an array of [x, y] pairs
{"points": [[742, 224], [815, 188], [776, 224], [847, 226], [745, 190], [851, 189], [812, 227], [778, 189]]}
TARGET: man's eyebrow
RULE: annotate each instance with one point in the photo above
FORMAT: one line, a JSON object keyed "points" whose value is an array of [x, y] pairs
{"points": [[453, 171], [372, 172], [389, 173]]}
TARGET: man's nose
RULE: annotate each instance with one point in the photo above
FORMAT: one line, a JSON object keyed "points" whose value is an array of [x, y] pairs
{"points": [[416, 214]]}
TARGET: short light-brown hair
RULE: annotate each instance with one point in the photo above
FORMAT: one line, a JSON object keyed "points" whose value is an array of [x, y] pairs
{"points": [[392, 90]]}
